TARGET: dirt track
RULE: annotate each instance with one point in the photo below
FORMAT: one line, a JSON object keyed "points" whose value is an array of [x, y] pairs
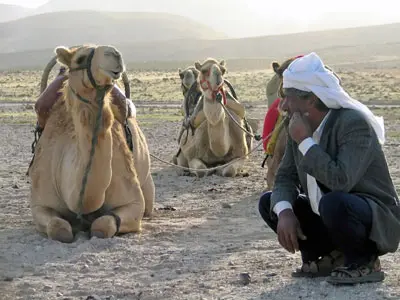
{"points": [[195, 252]]}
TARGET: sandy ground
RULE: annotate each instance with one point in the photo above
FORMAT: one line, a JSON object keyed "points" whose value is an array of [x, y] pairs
{"points": [[197, 251]]}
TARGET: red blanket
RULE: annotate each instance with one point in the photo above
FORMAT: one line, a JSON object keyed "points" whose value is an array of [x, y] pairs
{"points": [[270, 121]]}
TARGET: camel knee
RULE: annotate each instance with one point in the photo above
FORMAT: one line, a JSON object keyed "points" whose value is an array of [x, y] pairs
{"points": [[197, 164], [230, 171], [60, 230], [104, 227]]}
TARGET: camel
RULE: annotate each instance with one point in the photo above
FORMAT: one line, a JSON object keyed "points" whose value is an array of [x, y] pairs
{"points": [[216, 139], [277, 143], [191, 94], [118, 190], [190, 88]]}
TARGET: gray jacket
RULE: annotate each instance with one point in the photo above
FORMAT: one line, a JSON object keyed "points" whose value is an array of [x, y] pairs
{"points": [[350, 159]]}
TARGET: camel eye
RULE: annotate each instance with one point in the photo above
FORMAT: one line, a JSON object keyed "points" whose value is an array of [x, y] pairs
{"points": [[81, 59]]}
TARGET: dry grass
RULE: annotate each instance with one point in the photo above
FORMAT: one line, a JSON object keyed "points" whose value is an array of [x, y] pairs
{"points": [[369, 86]]}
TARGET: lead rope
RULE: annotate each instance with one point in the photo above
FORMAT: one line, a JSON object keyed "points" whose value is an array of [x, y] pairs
{"points": [[100, 94]]}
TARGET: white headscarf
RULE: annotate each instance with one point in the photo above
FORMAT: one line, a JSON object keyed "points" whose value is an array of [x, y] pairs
{"points": [[308, 74]]}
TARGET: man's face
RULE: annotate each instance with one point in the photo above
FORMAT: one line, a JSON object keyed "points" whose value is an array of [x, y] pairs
{"points": [[292, 103]]}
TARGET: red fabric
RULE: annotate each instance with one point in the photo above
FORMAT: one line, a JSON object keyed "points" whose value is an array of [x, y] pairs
{"points": [[269, 121]]}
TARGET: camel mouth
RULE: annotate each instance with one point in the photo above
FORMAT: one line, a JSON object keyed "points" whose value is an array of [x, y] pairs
{"points": [[113, 74]]}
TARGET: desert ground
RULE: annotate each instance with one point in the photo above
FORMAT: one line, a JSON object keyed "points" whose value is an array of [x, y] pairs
{"points": [[205, 232]]}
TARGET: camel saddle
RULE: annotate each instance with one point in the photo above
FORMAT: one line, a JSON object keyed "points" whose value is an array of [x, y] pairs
{"points": [[122, 107]]}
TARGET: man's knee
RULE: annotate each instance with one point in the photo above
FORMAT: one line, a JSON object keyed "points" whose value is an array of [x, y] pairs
{"points": [[331, 207]]}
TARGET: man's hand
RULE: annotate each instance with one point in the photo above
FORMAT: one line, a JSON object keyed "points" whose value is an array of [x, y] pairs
{"points": [[299, 128], [289, 230]]}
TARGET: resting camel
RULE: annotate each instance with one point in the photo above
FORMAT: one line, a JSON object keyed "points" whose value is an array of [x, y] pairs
{"points": [[276, 144], [119, 189], [216, 139]]}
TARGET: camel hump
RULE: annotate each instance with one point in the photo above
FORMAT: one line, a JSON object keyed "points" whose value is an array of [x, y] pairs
{"points": [[48, 98], [234, 105]]}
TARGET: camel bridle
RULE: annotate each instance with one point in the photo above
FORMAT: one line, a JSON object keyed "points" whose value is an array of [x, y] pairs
{"points": [[217, 94]]}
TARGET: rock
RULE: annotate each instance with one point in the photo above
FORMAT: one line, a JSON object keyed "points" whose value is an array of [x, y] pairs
{"points": [[93, 297], [8, 278], [47, 288], [59, 294], [226, 205], [244, 278]]}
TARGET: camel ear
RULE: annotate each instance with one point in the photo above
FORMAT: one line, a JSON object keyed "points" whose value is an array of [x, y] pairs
{"points": [[196, 73], [180, 73], [275, 66], [222, 63], [64, 55], [197, 65]]}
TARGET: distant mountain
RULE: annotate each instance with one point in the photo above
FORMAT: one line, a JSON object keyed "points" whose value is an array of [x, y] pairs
{"points": [[12, 12], [233, 18], [73, 28], [340, 46]]}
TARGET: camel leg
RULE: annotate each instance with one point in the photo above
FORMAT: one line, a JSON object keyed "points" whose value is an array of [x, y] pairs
{"points": [[148, 190], [131, 214], [49, 222], [182, 161], [196, 163], [231, 170]]}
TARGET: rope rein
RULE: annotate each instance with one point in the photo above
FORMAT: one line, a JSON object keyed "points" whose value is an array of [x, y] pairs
{"points": [[217, 167], [100, 94]]}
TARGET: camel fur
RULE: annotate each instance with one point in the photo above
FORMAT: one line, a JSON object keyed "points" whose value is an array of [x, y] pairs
{"points": [[119, 184]]}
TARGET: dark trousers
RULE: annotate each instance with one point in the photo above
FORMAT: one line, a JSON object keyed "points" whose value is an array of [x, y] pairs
{"points": [[344, 224]]}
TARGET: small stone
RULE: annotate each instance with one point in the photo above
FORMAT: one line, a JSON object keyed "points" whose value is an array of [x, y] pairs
{"points": [[8, 278], [85, 268], [226, 205], [47, 288], [245, 278], [93, 297], [266, 280], [230, 263], [178, 271], [59, 294], [15, 186]]}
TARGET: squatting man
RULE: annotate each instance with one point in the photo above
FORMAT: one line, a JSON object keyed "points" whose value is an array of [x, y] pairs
{"points": [[333, 198]]}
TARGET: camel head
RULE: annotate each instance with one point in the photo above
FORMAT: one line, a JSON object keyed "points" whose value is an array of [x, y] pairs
{"points": [[188, 77], [211, 77], [91, 67]]}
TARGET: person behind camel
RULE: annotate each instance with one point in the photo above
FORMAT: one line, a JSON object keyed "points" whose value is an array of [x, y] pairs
{"points": [[349, 213]]}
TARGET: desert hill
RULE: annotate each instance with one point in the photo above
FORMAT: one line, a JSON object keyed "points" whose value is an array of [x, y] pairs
{"points": [[340, 46]]}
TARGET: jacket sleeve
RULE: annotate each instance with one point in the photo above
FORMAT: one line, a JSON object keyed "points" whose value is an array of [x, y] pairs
{"points": [[356, 142], [286, 179]]}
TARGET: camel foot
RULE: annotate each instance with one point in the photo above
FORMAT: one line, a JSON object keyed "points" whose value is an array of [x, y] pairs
{"points": [[104, 227], [60, 230], [196, 164], [229, 171], [148, 213]]}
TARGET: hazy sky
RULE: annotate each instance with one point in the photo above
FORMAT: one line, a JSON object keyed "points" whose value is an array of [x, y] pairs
{"points": [[297, 8], [27, 3], [277, 16]]}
